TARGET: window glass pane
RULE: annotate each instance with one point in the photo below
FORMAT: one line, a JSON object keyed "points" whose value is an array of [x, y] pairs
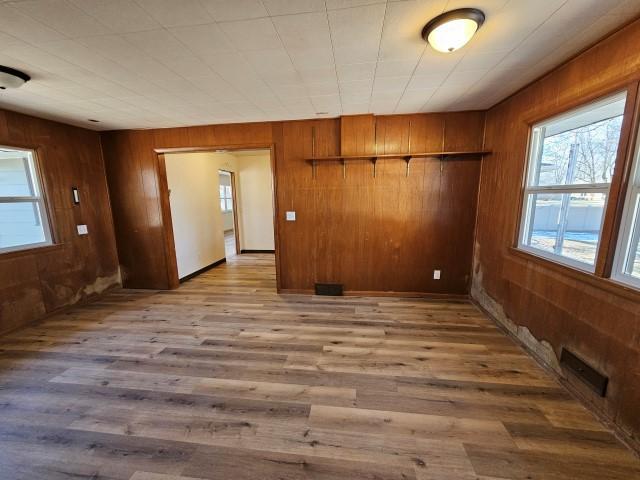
{"points": [[16, 174], [20, 224], [566, 224], [632, 263], [229, 204], [578, 148], [227, 191], [222, 204], [221, 191]]}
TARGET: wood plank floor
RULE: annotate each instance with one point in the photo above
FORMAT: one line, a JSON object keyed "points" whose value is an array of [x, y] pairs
{"points": [[224, 379]]}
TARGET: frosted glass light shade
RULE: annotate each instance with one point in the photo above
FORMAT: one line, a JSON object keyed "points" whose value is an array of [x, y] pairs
{"points": [[452, 30]]}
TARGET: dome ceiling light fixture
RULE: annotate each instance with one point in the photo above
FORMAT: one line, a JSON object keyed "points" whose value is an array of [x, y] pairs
{"points": [[452, 30], [12, 78]]}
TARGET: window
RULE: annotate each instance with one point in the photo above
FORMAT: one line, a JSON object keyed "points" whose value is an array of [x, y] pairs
{"points": [[627, 259], [571, 162], [23, 216], [226, 198]]}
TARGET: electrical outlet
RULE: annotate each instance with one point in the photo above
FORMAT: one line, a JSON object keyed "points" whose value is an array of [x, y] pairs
{"points": [[82, 230], [291, 216], [436, 274]]}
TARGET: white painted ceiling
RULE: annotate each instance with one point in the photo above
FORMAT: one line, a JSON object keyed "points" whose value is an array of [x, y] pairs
{"points": [[163, 63]]}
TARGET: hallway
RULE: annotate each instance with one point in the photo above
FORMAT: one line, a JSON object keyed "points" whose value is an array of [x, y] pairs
{"points": [[230, 249], [224, 379]]}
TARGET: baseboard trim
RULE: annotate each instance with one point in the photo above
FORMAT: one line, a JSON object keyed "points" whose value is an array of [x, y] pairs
{"points": [[367, 293], [256, 251], [202, 270]]}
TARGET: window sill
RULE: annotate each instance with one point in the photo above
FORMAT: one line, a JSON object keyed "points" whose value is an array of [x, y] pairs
{"points": [[30, 251], [607, 284]]}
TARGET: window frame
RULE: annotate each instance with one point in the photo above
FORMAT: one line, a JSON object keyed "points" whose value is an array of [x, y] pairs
{"points": [[629, 230], [37, 182], [533, 155], [226, 199]]}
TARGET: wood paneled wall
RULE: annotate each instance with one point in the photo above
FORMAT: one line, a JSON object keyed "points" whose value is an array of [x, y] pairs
{"points": [[595, 319], [38, 281], [373, 234]]}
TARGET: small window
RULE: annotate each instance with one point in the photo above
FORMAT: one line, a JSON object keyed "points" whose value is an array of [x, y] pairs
{"points": [[627, 260], [226, 198], [23, 214], [571, 163]]}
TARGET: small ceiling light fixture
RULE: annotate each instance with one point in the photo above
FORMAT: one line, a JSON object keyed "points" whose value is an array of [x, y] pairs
{"points": [[12, 78], [452, 30]]}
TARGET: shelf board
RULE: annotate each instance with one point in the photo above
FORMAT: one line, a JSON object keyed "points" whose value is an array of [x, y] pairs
{"points": [[406, 156]]}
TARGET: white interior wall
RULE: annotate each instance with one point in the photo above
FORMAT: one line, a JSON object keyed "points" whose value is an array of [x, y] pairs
{"points": [[255, 193], [198, 222], [198, 226]]}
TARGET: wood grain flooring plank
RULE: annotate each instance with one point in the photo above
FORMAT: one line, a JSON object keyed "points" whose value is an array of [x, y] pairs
{"points": [[223, 378]]}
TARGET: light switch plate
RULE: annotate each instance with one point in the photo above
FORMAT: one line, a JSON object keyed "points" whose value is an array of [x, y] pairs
{"points": [[291, 216], [436, 274], [82, 229]]}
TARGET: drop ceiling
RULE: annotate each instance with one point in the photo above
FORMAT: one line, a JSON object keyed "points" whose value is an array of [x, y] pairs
{"points": [[166, 63]]}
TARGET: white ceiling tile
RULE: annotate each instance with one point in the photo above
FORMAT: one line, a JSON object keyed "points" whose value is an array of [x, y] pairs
{"points": [[355, 98], [355, 108], [383, 107], [188, 67], [359, 87], [356, 71], [356, 32], [316, 89], [290, 92], [311, 58], [287, 7], [160, 44], [323, 103], [203, 40], [335, 4], [434, 62], [395, 68], [304, 31], [119, 15], [171, 13], [160, 63], [23, 27], [390, 84], [477, 60], [62, 16], [226, 10], [250, 35], [317, 75], [272, 64], [401, 38]]}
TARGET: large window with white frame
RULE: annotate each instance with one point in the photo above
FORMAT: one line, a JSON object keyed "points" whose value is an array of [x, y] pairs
{"points": [[23, 214], [570, 167], [627, 260]]}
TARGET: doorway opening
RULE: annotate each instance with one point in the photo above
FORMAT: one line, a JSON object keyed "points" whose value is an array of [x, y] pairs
{"points": [[229, 216], [221, 206]]}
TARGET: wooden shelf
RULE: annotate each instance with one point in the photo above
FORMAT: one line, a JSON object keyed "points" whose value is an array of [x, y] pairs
{"points": [[393, 155], [407, 157]]}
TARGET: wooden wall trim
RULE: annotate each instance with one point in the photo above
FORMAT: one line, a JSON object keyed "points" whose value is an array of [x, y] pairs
{"points": [[173, 280]]}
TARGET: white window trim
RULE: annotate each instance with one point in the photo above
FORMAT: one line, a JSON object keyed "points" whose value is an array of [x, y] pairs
{"points": [[37, 198], [626, 234], [534, 153]]}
